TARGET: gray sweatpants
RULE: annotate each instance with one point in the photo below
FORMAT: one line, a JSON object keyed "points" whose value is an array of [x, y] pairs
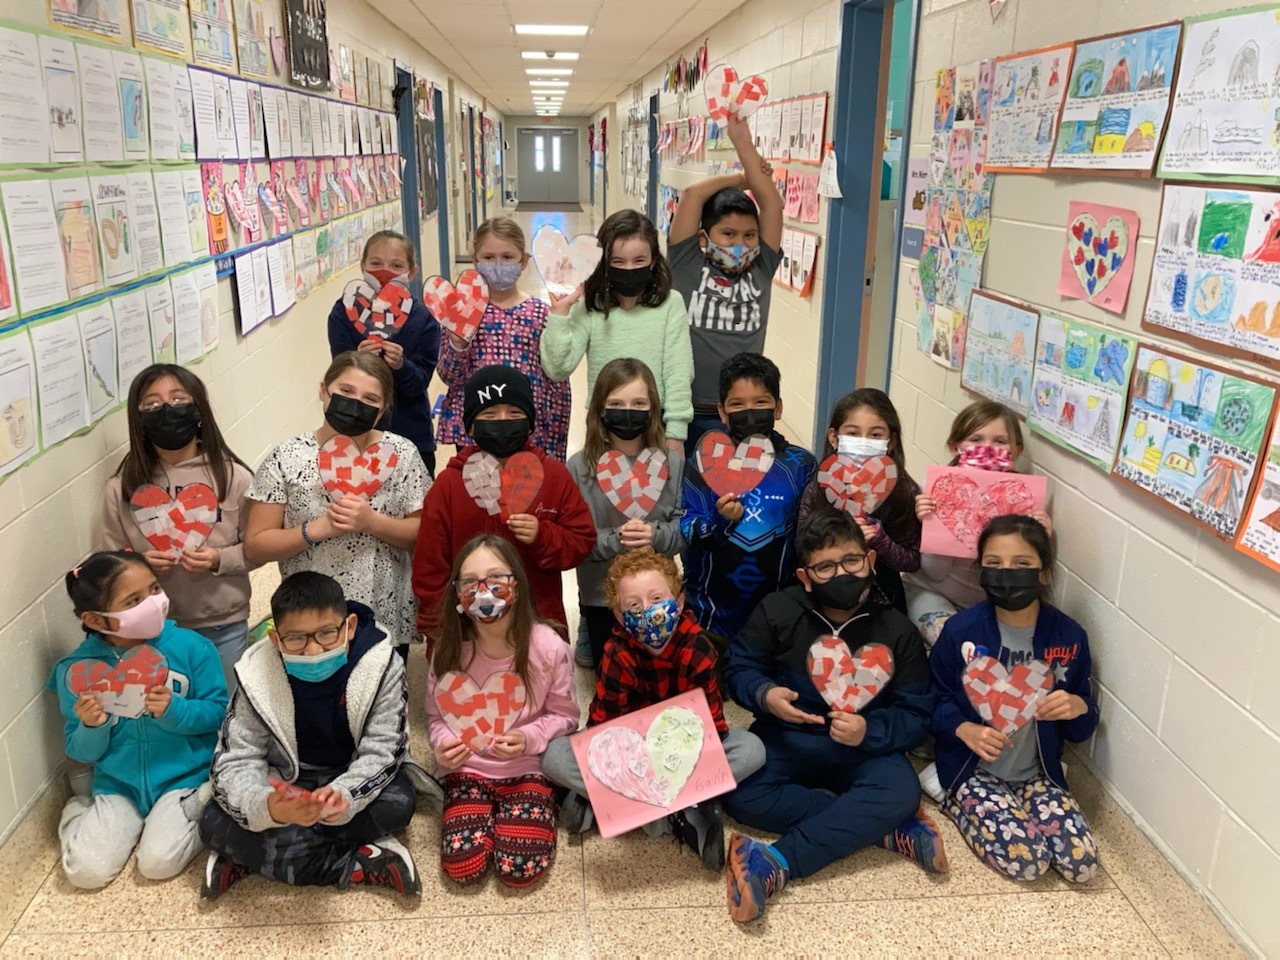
{"points": [[98, 834]]}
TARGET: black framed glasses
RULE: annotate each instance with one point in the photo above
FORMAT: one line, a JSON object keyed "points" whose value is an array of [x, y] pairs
{"points": [[468, 584], [851, 563], [326, 637]]}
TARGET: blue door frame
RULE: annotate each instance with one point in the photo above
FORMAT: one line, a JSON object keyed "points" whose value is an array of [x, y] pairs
{"points": [[442, 185], [406, 127], [653, 159], [471, 170]]}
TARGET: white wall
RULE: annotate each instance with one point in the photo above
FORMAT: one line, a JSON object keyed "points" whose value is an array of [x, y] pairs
{"points": [[1182, 627]]}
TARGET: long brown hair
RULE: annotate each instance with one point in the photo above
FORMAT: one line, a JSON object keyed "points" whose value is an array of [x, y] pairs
{"points": [[141, 461], [614, 375], [976, 416], [623, 225], [365, 362]]}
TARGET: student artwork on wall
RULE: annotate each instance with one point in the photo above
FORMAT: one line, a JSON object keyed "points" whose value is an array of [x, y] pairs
{"points": [[163, 26], [255, 19], [308, 33], [968, 499], [1098, 253], [102, 19], [77, 235], [999, 349], [1260, 533], [1194, 436], [19, 430], [213, 34], [1025, 104]]}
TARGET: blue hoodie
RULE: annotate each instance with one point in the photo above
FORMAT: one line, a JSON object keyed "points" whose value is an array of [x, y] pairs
{"points": [[143, 758]]}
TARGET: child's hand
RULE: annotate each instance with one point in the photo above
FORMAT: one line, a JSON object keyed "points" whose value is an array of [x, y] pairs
{"points": [[157, 700], [870, 528], [509, 745], [765, 167], [455, 341], [89, 711], [294, 806], [204, 560], [636, 534], [322, 528], [451, 754], [729, 507], [779, 701], [393, 353], [335, 803], [560, 305], [737, 128], [925, 506], [371, 345], [847, 728], [524, 527], [987, 742], [351, 514], [160, 562], [1045, 522], [1061, 705], [677, 446]]}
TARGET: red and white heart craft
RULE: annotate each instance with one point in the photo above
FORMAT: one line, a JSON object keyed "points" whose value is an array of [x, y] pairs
{"points": [[477, 714], [459, 308], [968, 499], [564, 264], [1006, 699], [120, 688], [502, 490], [728, 96], [346, 469], [174, 524], [633, 486], [380, 314], [857, 488], [849, 681], [728, 467]]}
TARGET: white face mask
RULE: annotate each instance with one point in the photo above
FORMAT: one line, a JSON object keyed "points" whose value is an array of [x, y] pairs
{"points": [[861, 448]]}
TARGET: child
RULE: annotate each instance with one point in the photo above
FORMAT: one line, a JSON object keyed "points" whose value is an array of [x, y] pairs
{"points": [[724, 253], [499, 808], [658, 652], [551, 533], [740, 550], [864, 424], [174, 442], [1008, 795], [833, 782], [625, 309], [411, 353], [312, 773], [625, 415], [151, 752], [511, 334]]}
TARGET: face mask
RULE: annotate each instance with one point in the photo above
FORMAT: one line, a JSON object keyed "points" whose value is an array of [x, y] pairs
{"points": [[314, 669], [349, 416], [1011, 588], [653, 627], [630, 283], [733, 260], [501, 438], [500, 274], [986, 456], [751, 423], [380, 278], [487, 605], [859, 449], [145, 621], [625, 424], [170, 427], [842, 592]]}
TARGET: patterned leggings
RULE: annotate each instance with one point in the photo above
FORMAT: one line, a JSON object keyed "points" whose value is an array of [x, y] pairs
{"points": [[511, 822], [1023, 829]]}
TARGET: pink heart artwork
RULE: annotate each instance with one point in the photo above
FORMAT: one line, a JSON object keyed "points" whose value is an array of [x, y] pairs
{"points": [[652, 767], [381, 314], [857, 488], [477, 714], [502, 490], [120, 688], [346, 469], [1006, 699], [277, 50], [458, 308], [849, 681], [968, 499], [564, 264], [727, 467], [728, 96], [174, 524], [633, 486]]}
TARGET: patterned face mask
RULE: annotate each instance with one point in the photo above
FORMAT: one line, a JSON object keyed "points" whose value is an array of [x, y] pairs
{"points": [[653, 626], [986, 456], [733, 260], [486, 602]]}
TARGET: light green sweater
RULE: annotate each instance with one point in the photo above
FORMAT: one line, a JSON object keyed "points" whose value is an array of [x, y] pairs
{"points": [[657, 336]]}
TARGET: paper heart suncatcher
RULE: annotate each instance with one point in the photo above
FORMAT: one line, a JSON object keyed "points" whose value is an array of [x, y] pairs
{"points": [[377, 313], [849, 681], [968, 499], [503, 489], [459, 308], [478, 713], [1006, 699], [858, 488], [174, 524], [346, 469], [563, 263], [729, 96], [1097, 259], [121, 687], [633, 486], [728, 467]]}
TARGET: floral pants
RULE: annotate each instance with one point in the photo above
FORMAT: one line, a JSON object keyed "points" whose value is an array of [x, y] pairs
{"points": [[510, 824], [1024, 829]]}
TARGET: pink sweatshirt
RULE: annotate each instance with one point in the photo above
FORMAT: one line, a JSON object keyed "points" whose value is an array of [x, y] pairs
{"points": [[551, 709]]}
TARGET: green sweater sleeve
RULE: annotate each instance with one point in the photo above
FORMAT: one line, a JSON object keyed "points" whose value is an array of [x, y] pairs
{"points": [[565, 341], [677, 369]]}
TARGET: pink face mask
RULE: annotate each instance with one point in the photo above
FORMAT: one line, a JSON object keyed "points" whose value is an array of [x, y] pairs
{"points": [[986, 456], [142, 622]]}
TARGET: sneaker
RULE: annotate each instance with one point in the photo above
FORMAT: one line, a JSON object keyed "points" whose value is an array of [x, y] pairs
{"points": [[220, 875], [582, 652], [918, 839], [701, 828], [931, 784], [386, 863], [576, 814], [752, 875]]}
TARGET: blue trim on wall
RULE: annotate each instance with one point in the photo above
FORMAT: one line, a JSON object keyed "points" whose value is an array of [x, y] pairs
{"points": [[442, 186], [471, 170], [653, 158], [409, 209]]}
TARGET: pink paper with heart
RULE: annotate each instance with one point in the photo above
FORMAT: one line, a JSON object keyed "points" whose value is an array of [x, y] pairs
{"points": [[121, 687], [1006, 699], [857, 488], [730, 96], [502, 490], [728, 467], [633, 486], [478, 713], [346, 469], [174, 524], [642, 766], [458, 308], [849, 681], [968, 499], [1098, 256], [564, 264]]}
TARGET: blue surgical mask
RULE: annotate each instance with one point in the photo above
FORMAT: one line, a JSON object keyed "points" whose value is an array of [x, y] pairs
{"points": [[314, 669], [653, 626], [500, 274]]}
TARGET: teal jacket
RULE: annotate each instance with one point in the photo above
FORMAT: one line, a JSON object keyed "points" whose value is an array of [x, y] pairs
{"points": [[143, 758]]}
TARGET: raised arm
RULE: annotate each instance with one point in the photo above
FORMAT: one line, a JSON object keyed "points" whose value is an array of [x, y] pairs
{"points": [[688, 218], [768, 200]]}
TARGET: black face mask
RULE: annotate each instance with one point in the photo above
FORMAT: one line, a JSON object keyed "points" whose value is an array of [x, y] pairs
{"points": [[842, 592], [501, 438], [349, 416], [630, 283], [1012, 588], [751, 423], [170, 427], [625, 424]]}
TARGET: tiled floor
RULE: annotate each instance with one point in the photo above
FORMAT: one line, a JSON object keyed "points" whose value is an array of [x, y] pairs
{"points": [[627, 896]]}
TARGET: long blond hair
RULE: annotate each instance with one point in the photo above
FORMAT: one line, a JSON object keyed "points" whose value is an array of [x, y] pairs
{"points": [[614, 375], [503, 228], [976, 416]]}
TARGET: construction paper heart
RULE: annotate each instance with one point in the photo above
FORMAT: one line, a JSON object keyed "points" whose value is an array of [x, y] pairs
{"points": [[122, 687], [478, 714], [502, 490], [728, 96], [564, 264], [1006, 699], [727, 467], [381, 314], [277, 50], [1096, 253], [857, 488], [346, 469], [633, 486], [849, 681], [174, 524], [965, 509], [459, 309], [652, 768]]}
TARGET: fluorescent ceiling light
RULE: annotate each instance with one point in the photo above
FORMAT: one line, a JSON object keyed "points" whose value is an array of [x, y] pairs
{"points": [[551, 30], [549, 83], [548, 55], [549, 72]]}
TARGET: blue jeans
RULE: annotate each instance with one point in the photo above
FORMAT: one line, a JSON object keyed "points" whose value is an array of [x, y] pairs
{"points": [[230, 640]]}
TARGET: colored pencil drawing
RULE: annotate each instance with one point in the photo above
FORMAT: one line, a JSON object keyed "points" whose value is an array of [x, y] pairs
{"points": [[968, 499], [78, 234], [1028, 93], [1260, 533], [999, 350]]}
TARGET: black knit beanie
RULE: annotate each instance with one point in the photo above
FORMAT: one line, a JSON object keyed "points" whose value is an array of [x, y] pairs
{"points": [[496, 384]]}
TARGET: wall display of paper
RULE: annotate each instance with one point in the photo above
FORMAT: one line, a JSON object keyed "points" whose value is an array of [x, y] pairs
{"points": [[1118, 100], [160, 315], [289, 295], [205, 114], [306, 28], [213, 35], [337, 132], [262, 283], [293, 108], [1259, 534], [133, 105], [116, 236], [19, 430], [1098, 254], [306, 269], [1223, 122], [1194, 436], [171, 208], [188, 333], [1025, 103], [361, 67], [162, 26], [63, 393], [271, 122], [77, 235], [133, 337], [1216, 277], [240, 121], [100, 104], [246, 288], [107, 19], [968, 499], [98, 345], [808, 198], [197, 223], [282, 293], [254, 22], [161, 109], [224, 116], [60, 69], [206, 277], [999, 349], [183, 111]]}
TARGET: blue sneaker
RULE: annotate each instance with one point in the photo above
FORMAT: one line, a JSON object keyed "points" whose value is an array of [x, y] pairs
{"points": [[752, 874], [918, 839]]}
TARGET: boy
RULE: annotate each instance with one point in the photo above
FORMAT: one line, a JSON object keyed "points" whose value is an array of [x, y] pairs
{"points": [[658, 652], [740, 549], [320, 708], [833, 782], [723, 253]]}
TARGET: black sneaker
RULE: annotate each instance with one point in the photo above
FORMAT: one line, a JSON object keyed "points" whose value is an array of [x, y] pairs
{"points": [[575, 813], [386, 863], [701, 828], [220, 875]]}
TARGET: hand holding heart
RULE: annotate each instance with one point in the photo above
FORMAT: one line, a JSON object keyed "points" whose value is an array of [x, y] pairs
{"points": [[847, 728], [636, 534], [89, 711], [987, 742], [452, 753], [1061, 705], [352, 514], [560, 305], [779, 702]]}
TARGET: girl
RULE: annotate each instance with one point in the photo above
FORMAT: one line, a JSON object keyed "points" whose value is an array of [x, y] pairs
{"points": [[498, 808], [362, 542], [625, 309], [865, 424], [174, 443], [510, 333], [1008, 794], [624, 415], [411, 355], [151, 741]]}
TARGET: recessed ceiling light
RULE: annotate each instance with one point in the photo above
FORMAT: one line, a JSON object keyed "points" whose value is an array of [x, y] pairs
{"points": [[549, 72], [552, 84], [552, 29], [548, 55]]}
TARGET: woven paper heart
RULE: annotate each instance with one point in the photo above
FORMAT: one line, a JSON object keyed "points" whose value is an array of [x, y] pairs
{"points": [[346, 469], [633, 486], [1006, 699], [965, 509], [563, 264], [849, 681], [459, 309], [727, 96], [1096, 253], [727, 467], [175, 524], [381, 314], [478, 714], [857, 488], [502, 490], [122, 687], [653, 768]]}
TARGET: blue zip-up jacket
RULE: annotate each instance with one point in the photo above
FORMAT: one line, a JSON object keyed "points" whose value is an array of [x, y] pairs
{"points": [[143, 758], [731, 567], [1058, 640]]}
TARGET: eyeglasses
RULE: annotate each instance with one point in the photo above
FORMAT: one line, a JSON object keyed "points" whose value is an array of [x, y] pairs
{"points": [[178, 403], [851, 563], [468, 584], [327, 637]]}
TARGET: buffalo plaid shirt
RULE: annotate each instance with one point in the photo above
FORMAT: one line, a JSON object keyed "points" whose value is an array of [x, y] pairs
{"points": [[632, 678]]}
